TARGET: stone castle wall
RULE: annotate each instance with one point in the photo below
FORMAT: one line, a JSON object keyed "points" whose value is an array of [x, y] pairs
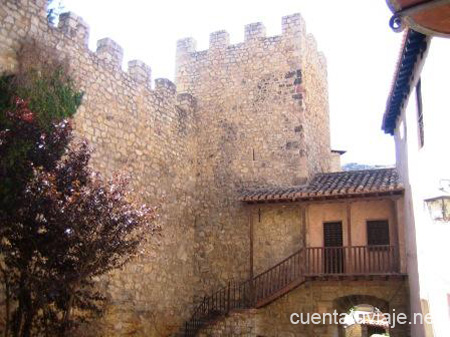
{"points": [[262, 114], [246, 114], [147, 133], [279, 231]]}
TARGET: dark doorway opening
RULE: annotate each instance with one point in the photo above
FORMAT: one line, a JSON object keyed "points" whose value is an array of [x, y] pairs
{"points": [[333, 252]]}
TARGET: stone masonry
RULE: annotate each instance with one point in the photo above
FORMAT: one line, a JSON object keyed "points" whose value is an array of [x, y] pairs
{"points": [[315, 297], [147, 133], [262, 112], [240, 115]]}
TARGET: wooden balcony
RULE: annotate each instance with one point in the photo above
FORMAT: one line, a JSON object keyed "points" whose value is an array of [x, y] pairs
{"points": [[351, 261], [324, 263]]}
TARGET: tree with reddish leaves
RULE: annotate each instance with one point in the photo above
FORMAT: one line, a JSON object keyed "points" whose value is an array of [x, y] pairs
{"points": [[61, 225]]}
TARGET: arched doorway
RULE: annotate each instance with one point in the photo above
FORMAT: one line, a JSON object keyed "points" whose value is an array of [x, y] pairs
{"points": [[364, 316], [365, 320]]}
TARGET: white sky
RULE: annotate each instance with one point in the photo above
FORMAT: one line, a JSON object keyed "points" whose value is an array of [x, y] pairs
{"points": [[354, 35]]}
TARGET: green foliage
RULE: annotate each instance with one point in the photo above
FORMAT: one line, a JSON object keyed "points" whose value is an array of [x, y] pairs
{"points": [[49, 95]]}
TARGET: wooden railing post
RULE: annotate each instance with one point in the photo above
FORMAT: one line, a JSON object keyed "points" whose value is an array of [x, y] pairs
{"points": [[396, 258]]}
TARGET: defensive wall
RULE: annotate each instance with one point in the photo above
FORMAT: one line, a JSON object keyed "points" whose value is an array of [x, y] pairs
{"points": [[240, 115]]}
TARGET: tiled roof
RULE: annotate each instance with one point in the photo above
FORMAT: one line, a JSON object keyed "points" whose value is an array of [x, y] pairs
{"points": [[413, 47], [332, 186]]}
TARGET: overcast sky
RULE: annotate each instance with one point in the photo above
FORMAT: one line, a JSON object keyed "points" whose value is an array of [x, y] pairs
{"points": [[361, 50]]}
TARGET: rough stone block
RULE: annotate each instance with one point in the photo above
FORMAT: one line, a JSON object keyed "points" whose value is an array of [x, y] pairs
{"points": [[186, 101], [292, 24], [74, 26], [110, 51], [140, 71], [164, 85], [254, 31], [219, 39], [186, 45]]}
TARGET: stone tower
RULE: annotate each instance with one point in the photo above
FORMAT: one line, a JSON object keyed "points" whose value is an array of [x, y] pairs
{"points": [[262, 119]]}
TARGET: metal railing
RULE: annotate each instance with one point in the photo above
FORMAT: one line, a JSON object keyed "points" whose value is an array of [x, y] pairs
{"points": [[233, 296], [290, 273]]}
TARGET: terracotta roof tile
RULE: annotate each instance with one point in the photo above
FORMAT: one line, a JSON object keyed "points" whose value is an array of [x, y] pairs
{"points": [[332, 185], [413, 47]]}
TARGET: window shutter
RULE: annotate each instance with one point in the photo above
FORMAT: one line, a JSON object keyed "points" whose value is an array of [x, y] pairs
{"points": [[378, 233]]}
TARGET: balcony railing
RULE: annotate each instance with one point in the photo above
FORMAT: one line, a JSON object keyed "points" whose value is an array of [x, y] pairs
{"points": [[356, 260], [288, 273]]}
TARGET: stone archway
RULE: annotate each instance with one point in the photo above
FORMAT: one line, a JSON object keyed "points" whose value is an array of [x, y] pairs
{"points": [[344, 303], [327, 297]]}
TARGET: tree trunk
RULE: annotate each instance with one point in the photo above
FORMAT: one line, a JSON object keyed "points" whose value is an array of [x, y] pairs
{"points": [[7, 303], [24, 314], [67, 313]]}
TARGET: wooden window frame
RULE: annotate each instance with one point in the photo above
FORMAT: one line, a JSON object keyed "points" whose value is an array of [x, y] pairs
{"points": [[387, 242], [332, 222]]}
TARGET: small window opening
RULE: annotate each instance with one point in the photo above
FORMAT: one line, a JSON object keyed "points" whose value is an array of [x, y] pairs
{"points": [[378, 233]]}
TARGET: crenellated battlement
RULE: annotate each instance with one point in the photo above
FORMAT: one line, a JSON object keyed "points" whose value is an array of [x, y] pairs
{"points": [[186, 45], [140, 72], [219, 40], [75, 27], [72, 32], [110, 51], [254, 31], [293, 26], [293, 49]]}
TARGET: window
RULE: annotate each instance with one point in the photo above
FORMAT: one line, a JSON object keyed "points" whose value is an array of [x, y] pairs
{"points": [[420, 112], [378, 233], [332, 234]]}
